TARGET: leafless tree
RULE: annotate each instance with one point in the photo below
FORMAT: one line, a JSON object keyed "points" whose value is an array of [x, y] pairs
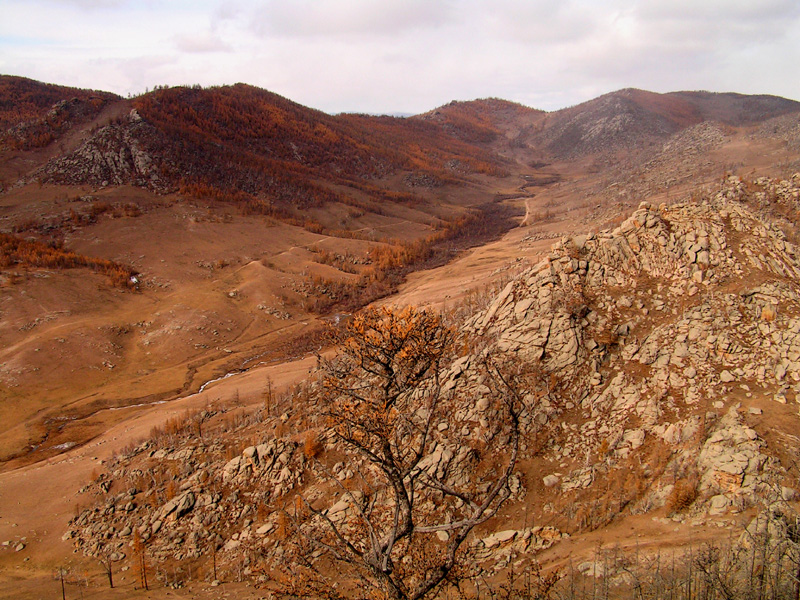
{"points": [[107, 557]]}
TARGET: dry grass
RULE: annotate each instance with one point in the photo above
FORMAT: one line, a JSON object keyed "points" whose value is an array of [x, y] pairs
{"points": [[683, 495], [312, 444]]}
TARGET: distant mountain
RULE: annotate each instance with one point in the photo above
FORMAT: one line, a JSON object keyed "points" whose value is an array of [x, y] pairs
{"points": [[635, 118], [622, 120], [483, 121], [245, 145]]}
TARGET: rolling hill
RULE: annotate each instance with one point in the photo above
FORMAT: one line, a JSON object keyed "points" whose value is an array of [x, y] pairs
{"points": [[623, 120]]}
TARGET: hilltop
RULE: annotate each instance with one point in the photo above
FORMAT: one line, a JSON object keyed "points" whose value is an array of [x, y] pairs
{"points": [[624, 120]]}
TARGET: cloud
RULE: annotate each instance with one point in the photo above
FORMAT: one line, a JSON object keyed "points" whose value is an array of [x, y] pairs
{"points": [[538, 23], [409, 55], [716, 11], [200, 43], [348, 17], [89, 4]]}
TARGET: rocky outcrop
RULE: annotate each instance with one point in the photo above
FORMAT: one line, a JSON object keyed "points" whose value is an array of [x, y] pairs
{"points": [[116, 154], [212, 500], [678, 305], [660, 350]]}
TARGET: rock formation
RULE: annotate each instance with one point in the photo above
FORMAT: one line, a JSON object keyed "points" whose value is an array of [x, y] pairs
{"points": [[671, 351]]}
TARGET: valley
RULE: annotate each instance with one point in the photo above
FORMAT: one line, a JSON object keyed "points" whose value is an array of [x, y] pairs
{"points": [[239, 269]]}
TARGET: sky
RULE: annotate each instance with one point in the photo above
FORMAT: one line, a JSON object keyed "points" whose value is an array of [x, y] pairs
{"points": [[408, 56]]}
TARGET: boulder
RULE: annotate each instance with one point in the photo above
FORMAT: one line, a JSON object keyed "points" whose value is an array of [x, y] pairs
{"points": [[551, 480]]}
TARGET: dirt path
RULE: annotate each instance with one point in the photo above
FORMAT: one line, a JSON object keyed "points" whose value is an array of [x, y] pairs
{"points": [[525, 220]]}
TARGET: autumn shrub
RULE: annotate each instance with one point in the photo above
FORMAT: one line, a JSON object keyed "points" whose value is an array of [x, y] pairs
{"points": [[284, 527], [98, 208], [170, 490], [389, 263], [312, 445], [17, 252], [683, 494]]}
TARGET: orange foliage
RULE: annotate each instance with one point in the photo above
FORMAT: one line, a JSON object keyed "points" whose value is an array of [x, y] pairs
{"points": [[476, 121], [27, 106], [312, 445], [247, 146], [389, 264], [29, 254]]}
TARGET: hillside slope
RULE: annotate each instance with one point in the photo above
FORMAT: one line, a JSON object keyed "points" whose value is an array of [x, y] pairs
{"points": [[667, 356], [263, 152], [244, 217], [25, 100], [624, 120]]}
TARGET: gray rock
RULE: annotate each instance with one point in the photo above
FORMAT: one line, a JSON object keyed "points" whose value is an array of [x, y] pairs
{"points": [[550, 480], [718, 505]]}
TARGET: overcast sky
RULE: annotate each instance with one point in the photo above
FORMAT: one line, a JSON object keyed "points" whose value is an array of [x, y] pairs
{"points": [[408, 55]]}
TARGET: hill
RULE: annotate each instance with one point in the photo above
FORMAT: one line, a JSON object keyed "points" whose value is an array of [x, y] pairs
{"points": [[250, 147], [628, 119], [25, 100], [170, 264], [482, 121], [657, 365]]}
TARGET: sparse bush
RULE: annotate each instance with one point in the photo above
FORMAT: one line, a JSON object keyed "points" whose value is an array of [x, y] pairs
{"points": [[683, 494], [170, 490], [131, 210], [30, 254], [312, 445]]}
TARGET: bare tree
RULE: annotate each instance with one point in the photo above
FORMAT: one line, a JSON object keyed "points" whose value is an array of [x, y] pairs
{"points": [[140, 550], [428, 460], [107, 557]]}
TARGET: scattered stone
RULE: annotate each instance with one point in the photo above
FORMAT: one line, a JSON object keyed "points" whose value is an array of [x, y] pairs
{"points": [[501, 537], [551, 481]]}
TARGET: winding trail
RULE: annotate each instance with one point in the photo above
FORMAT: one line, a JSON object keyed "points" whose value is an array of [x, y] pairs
{"points": [[524, 222]]}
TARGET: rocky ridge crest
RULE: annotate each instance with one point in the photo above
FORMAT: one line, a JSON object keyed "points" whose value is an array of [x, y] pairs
{"points": [[116, 154], [680, 326]]}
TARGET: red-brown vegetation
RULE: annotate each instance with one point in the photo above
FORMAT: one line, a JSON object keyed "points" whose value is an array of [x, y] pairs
{"points": [[250, 147], [478, 121], [389, 264], [16, 252], [683, 494], [28, 117], [312, 445]]}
